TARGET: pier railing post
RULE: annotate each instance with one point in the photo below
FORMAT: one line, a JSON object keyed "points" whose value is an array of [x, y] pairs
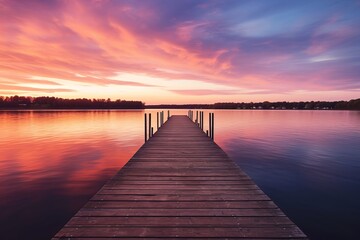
{"points": [[202, 125], [149, 125], [157, 121], [199, 123], [162, 117], [200, 119], [168, 115], [212, 126], [145, 127]]}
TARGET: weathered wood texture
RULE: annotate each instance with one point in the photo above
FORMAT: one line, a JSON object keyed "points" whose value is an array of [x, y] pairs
{"points": [[180, 184]]}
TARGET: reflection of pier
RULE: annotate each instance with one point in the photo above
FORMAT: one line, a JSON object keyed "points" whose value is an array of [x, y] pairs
{"points": [[180, 184]]}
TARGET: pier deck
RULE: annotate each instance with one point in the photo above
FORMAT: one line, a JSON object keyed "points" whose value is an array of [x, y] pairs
{"points": [[180, 184]]}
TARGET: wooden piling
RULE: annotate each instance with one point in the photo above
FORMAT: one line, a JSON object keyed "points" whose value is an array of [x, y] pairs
{"points": [[149, 125], [145, 120], [202, 127], [162, 118], [212, 126], [157, 121]]}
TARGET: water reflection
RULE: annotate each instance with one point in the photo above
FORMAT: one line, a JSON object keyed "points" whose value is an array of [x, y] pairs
{"points": [[52, 162], [307, 161]]}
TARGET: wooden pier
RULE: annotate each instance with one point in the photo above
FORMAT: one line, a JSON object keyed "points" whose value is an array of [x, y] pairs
{"points": [[180, 184]]}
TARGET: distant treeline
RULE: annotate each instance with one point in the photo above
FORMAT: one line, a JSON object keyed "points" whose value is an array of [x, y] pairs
{"points": [[19, 102], [336, 105]]}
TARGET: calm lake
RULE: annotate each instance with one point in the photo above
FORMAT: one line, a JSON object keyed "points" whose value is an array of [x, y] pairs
{"points": [[52, 162]]}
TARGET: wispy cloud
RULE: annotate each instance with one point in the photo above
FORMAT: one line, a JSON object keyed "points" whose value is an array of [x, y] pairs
{"points": [[13, 89], [205, 92]]}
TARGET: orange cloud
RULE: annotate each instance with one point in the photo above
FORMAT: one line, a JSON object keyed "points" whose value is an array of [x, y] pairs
{"points": [[87, 43]]}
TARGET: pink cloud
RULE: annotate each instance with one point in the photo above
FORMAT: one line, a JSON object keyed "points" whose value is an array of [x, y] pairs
{"points": [[328, 35], [32, 89], [76, 38], [90, 42], [205, 92]]}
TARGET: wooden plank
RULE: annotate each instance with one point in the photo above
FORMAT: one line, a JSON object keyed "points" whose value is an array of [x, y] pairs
{"points": [[170, 238], [85, 212], [180, 221], [195, 187], [177, 192], [177, 182], [179, 164], [180, 184], [190, 197], [181, 178], [283, 232], [180, 205]]}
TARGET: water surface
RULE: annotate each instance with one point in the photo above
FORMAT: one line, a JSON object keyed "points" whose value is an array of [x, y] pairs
{"points": [[52, 162], [308, 162]]}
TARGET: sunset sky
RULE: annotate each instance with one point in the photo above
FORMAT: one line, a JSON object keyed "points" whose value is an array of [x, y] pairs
{"points": [[162, 51]]}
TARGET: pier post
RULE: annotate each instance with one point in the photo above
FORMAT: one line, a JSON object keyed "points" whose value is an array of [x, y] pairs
{"points": [[168, 114], [145, 127], [212, 126], [162, 118], [152, 131], [202, 126], [199, 120], [157, 120], [199, 123], [149, 125]]}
